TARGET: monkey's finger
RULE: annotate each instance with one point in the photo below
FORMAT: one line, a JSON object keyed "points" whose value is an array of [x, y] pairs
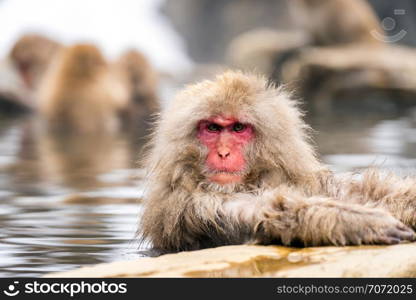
{"points": [[404, 227], [408, 235], [386, 241], [407, 231], [400, 225]]}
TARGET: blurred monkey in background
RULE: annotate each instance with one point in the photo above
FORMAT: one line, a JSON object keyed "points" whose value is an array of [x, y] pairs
{"points": [[80, 92], [31, 55], [334, 22], [318, 23], [138, 75]]}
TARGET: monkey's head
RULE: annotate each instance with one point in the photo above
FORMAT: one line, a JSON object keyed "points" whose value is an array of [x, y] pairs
{"points": [[82, 60], [233, 133], [31, 55], [135, 64], [140, 79]]}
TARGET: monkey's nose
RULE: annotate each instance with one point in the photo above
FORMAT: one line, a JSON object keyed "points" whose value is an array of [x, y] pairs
{"points": [[223, 153]]}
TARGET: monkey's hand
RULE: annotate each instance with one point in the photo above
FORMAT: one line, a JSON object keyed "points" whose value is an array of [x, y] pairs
{"points": [[388, 191], [293, 219]]}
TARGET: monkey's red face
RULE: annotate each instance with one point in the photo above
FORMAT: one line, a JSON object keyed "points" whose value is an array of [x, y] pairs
{"points": [[226, 139]]}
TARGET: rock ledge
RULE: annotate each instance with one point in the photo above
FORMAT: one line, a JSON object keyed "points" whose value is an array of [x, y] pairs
{"points": [[265, 261]]}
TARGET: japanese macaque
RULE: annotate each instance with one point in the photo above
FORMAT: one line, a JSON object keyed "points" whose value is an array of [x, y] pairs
{"points": [[231, 163], [333, 22], [141, 80], [317, 23], [80, 93], [261, 49], [31, 55]]}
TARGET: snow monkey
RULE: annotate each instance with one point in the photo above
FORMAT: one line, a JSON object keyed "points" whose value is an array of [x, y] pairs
{"points": [[231, 162], [141, 80], [334, 22], [31, 55], [80, 93]]}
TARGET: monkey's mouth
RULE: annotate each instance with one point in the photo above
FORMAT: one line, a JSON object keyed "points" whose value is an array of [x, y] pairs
{"points": [[225, 177], [239, 173]]}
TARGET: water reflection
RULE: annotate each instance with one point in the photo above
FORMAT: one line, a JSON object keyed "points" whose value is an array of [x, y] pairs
{"points": [[41, 229], [354, 142], [76, 160], [42, 238], [71, 201]]}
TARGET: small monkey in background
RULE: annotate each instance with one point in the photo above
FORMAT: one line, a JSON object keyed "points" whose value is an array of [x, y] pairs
{"points": [[31, 55], [80, 93], [140, 78], [320, 23], [231, 163], [333, 22]]}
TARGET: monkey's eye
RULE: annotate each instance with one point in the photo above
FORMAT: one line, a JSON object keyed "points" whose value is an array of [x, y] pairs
{"points": [[214, 127], [238, 127]]}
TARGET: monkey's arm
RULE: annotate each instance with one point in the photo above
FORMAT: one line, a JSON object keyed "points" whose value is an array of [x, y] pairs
{"points": [[386, 190], [289, 217], [282, 215]]}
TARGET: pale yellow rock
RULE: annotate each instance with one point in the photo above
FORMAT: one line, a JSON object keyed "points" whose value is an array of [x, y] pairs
{"points": [[265, 261]]}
